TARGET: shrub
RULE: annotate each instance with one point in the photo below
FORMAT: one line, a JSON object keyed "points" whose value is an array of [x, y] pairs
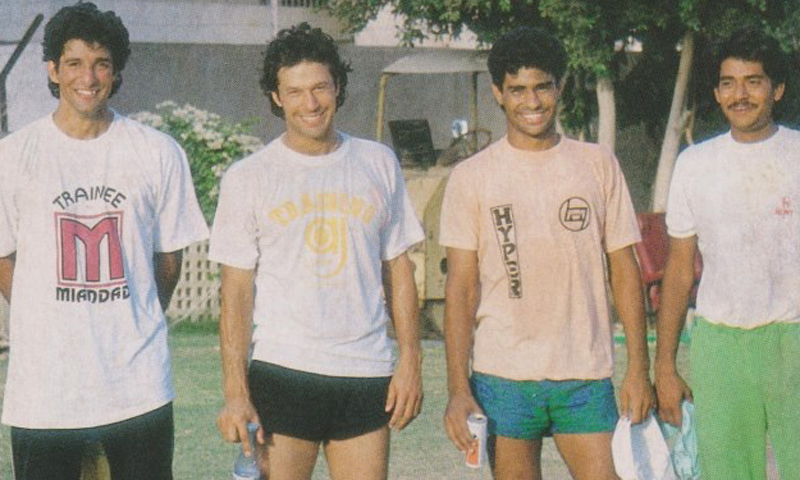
{"points": [[210, 142]]}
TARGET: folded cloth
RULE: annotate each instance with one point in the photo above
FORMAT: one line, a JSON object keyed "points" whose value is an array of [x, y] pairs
{"points": [[640, 451]]}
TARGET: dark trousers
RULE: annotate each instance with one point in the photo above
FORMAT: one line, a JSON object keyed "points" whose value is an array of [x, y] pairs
{"points": [[139, 448]]}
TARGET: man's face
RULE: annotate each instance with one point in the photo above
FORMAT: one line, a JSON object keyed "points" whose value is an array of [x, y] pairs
{"points": [[529, 99], [85, 76], [307, 94], [747, 95]]}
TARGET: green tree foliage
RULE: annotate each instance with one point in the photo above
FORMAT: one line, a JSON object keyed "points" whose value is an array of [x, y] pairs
{"points": [[486, 18], [591, 29], [644, 92], [714, 20]]}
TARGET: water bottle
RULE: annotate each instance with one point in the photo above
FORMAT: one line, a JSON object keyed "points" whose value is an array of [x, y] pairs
{"points": [[246, 468]]}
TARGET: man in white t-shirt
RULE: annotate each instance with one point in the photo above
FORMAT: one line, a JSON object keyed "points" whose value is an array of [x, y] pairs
{"points": [[95, 210], [529, 224], [304, 229], [735, 198]]}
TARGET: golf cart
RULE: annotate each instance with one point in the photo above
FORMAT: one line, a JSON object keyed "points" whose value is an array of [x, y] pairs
{"points": [[426, 169]]}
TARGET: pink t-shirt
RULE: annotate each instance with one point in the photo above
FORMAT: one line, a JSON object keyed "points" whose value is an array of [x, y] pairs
{"points": [[541, 223]]}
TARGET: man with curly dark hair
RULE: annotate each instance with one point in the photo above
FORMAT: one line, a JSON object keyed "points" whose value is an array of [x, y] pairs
{"points": [[95, 210], [734, 198], [529, 225], [92, 26], [305, 230]]}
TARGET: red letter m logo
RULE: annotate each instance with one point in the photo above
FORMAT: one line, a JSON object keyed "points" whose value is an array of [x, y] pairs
{"points": [[74, 233]]}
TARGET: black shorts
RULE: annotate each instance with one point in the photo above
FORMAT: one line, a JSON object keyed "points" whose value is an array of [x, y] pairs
{"points": [[317, 407], [139, 448]]}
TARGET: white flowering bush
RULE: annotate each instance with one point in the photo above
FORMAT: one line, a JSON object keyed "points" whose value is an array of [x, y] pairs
{"points": [[211, 144]]}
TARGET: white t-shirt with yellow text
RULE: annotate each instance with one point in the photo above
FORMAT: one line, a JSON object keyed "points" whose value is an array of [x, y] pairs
{"points": [[316, 229]]}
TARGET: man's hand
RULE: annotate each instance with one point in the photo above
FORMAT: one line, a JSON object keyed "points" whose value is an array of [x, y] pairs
{"points": [[636, 396], [459, 408], [232, 423], [405, 391], [671, 389], [676, 288]]}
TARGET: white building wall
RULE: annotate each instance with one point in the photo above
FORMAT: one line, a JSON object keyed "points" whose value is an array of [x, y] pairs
{"points": [[173, 21], [26, 86], [156, 21], [224, 22]]}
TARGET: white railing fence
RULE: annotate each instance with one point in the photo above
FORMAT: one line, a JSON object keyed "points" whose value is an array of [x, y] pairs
{"points": [[196, 296]]}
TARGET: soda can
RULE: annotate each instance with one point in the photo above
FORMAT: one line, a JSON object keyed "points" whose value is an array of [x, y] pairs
{"points": [[477, 427]]}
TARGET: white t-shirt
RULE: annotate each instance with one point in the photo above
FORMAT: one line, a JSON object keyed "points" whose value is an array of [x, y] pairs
{"points": [[541, 223], [85, 217], [742, 200], [315, 229]]}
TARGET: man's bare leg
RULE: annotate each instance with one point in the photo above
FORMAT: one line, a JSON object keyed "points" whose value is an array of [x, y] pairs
{"points": [[365, 457], [587, 455], [288, 458], [516, 459]]}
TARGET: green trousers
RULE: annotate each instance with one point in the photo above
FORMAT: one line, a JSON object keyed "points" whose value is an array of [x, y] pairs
{"points": [[746, 384]]}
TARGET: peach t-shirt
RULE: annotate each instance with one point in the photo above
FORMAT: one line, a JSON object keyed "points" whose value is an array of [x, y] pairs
{"points": [[541, 223]]}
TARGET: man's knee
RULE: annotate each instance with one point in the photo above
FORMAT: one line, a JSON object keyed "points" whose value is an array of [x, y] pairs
{"points": [[285, 457], [365, 456], [587, 455], [514, 458]]}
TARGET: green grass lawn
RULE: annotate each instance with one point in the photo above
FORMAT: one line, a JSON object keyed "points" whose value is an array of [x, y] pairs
{"points": [[422, 451]]}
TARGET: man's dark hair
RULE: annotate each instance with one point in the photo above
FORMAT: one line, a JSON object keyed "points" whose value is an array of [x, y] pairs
{"points": [[83, 21], [753, 45], [526, 47], [298, 44]]}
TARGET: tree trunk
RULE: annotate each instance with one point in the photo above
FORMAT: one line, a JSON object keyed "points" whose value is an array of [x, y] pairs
{"points": [[672, 135], [607, 113]]}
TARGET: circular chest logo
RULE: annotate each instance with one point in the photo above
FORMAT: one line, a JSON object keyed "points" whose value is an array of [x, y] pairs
{"points": [[574, 214]]}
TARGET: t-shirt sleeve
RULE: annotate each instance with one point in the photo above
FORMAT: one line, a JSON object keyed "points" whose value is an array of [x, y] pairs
{"points": [[621, 229], [8, 209], [179, 219], [680, 221], [459, 221], [403, 228], [234, 238]]}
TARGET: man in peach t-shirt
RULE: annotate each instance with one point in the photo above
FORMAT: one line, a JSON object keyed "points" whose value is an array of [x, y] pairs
{"points": [[530, 224]]}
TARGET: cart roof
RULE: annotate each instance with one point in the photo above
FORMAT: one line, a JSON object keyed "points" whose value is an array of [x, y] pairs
{"points": [[439, 61]]}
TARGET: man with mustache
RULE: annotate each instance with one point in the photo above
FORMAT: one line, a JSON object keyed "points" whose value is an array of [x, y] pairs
{"points": [[95, 210], [735, 198], [529, 224]]}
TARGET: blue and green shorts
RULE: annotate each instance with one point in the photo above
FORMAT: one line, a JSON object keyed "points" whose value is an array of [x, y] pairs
{"points": [[530, 410]]}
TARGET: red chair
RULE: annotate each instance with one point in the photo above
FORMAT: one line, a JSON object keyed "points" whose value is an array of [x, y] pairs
{"points": [[652, 253]]}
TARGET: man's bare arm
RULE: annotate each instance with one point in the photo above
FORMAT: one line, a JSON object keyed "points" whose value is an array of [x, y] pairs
{"points": [[676, 288], [235, 337], [167, 267], [7, 274], [636, 395], [461, 304], [405, 390]]}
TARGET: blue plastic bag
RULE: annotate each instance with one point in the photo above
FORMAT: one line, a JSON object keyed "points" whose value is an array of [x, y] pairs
{"points": [[684, 444]]}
